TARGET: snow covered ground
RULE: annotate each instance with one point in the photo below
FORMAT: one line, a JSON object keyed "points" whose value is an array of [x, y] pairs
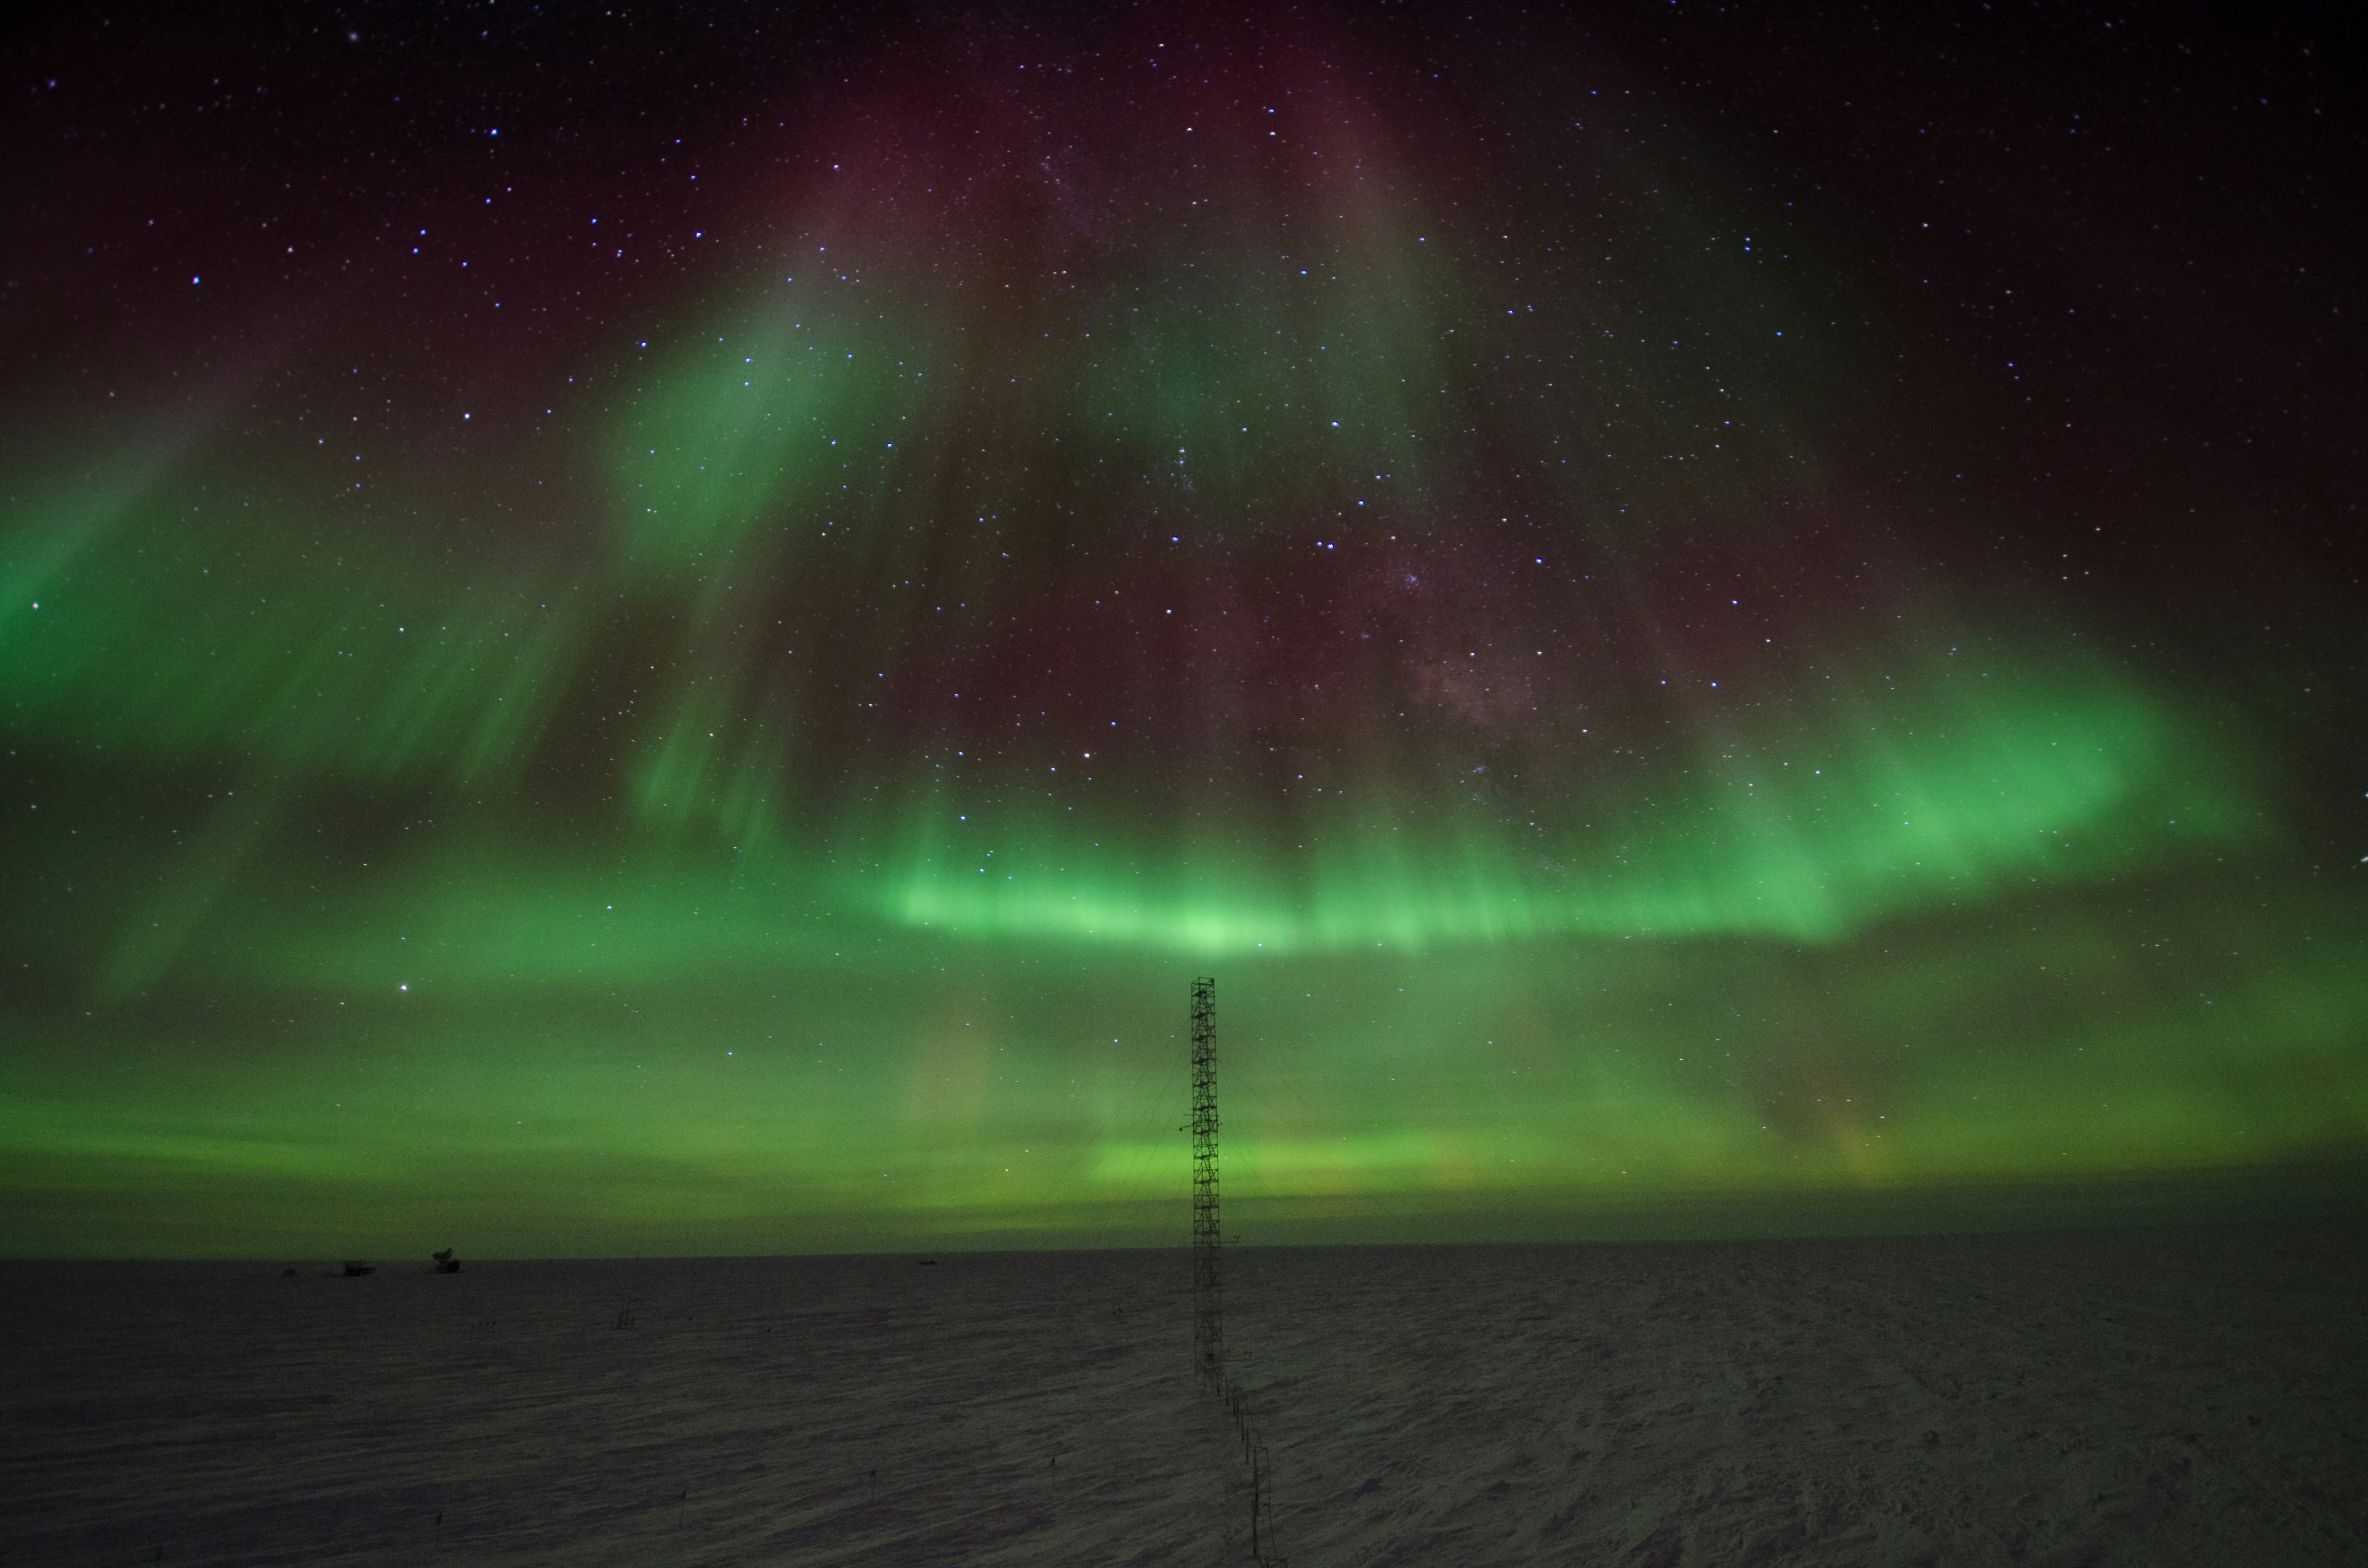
{"points": [[2158, 1396]]}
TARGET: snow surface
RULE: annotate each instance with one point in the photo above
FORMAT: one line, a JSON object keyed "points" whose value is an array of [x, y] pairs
{"points": [[2161, 1396]]}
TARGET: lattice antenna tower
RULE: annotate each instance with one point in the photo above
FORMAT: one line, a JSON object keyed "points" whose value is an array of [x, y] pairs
{"points": [[1208, 1285]]}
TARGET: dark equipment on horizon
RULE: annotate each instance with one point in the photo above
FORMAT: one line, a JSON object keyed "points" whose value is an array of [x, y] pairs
{"points": [[446, 1263], [355, 1268]]}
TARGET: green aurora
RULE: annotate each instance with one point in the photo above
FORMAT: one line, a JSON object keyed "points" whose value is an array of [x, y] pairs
{"points": [[787, 814]]}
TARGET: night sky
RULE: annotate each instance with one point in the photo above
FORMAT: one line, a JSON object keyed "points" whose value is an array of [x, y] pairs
{"points": [[676, 630]]}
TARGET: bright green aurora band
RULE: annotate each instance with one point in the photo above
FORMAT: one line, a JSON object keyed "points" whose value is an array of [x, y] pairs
{"points": [[927, 656]]}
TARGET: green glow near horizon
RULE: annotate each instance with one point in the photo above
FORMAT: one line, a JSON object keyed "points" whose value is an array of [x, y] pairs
{"points": [[1551, 1073]]}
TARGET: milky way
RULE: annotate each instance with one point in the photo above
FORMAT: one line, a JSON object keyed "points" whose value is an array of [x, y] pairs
{"points": [[621, 636]]}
